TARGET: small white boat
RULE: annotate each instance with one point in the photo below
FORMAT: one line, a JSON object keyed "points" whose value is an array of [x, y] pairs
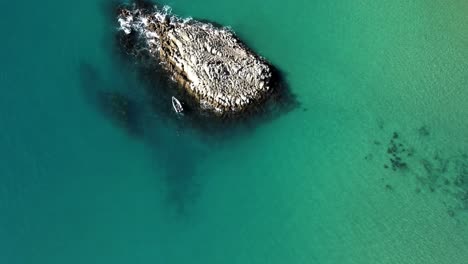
{"points": [[177, 105]]}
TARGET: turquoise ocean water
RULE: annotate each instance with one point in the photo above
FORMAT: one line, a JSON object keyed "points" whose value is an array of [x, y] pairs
{"points": [[372, 167]]}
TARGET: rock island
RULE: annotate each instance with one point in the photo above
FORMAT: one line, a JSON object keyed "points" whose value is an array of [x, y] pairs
{"points": [[220, 72]]}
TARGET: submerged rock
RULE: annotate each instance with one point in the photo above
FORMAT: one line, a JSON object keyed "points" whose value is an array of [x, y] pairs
{"points": [[209, 62]]}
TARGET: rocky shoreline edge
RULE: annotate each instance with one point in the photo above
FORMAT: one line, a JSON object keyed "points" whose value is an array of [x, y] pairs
{"points": [[217, 70]]}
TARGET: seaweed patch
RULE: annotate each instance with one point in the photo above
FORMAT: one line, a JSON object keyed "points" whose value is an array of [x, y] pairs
{"points": [[436, 172], [396, 151]]}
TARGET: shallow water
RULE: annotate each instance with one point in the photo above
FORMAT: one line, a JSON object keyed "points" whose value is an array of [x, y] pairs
{"points": [[84, 182]]}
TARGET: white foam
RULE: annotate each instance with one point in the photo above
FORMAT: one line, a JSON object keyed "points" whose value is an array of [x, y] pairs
{"points": [[144, 21], [138, 21], [186, 20], [159, 16], [125, 24], [167, 10], [151, 35]]}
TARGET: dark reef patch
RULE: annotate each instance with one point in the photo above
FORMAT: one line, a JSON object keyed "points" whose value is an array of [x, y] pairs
{"points": [[423, 131], [444, 175], [396, 151], [183, 188], [120, 109]]}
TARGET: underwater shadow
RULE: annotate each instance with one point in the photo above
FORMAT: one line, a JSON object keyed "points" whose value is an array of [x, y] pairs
{"points": [[129, 114]]}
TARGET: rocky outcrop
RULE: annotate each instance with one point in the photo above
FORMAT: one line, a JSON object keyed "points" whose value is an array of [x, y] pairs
{"points": [[209, 62]]}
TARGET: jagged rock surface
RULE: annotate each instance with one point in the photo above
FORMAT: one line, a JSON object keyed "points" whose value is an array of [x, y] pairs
{"points": [[220, 72]]}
